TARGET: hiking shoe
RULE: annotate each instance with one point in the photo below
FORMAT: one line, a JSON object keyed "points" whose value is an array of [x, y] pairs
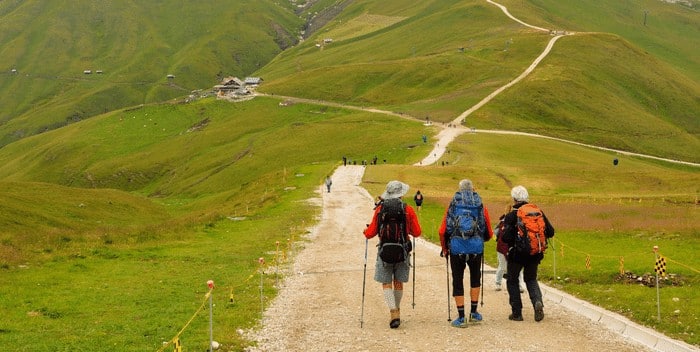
{"points": [[475, 317], [515, 317], [459, 323], [395, 318], [539, 311]]}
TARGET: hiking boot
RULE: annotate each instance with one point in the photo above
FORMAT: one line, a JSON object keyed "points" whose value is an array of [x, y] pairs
{"points": [[515, 317], [395, 319], [475, 317], [460, 322], [539, 311]]}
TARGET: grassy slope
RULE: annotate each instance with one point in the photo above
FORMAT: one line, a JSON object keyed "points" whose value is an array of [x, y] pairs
{"points": [[671, 32], [419, 66], [599, 90], [136, 44], [184, 158], [587, 82]]}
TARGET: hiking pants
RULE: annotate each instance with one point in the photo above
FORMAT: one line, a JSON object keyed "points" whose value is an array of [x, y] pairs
{"points": [[530, 277], [459, 262]]}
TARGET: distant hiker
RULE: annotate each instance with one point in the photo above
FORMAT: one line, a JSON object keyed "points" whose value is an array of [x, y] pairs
{"points": [[328, 182], [502, 252], [418, 199], [464, 229], [374, 160], [345, 161], [526, 232], [393, 221]]}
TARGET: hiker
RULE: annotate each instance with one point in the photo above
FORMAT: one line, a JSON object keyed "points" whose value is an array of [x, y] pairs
{"points": [[328, 182], [464, 229], [502, 252], [418, 198], [525, 252], [392, 266]]}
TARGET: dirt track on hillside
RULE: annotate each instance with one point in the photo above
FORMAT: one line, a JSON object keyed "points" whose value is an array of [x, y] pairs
{"points": [[319, 305]]}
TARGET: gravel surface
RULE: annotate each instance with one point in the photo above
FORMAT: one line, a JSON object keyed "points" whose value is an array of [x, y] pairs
{"points": [[319, 307]]}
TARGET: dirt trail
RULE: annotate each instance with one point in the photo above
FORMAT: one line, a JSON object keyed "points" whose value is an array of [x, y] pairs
{"points": [[319, 305]]}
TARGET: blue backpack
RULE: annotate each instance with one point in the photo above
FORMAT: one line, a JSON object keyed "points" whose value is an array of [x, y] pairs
{"points": [[466, 224]]}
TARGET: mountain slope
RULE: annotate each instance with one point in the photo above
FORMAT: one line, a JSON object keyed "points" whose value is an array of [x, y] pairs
{"points": [[135, 45], [441, 60]]}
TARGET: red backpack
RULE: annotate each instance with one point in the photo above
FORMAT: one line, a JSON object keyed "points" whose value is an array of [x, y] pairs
{"points": [[531, 228]]}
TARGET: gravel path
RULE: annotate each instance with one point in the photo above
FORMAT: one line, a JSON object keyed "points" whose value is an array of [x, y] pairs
{"points": [[319, 305]]}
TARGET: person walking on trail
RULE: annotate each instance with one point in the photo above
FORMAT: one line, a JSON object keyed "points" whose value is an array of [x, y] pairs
{"points": [[502, 252], [464, 229], [393, 221], [328, 182], [526, 232], [418, 199]]}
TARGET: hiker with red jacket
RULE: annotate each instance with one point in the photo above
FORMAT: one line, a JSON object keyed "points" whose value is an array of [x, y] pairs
{"points": [[464, 229], [393, 220], [526, 232]]}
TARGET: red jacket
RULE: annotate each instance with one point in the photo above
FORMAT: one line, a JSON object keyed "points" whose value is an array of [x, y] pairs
{"points": [[443, 228], [412, 225], [501, 246]]}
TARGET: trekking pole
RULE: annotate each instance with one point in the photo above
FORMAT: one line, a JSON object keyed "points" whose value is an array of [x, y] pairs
{"points": [[447, 272], [364, 276], [482, 279], [414, 274]]}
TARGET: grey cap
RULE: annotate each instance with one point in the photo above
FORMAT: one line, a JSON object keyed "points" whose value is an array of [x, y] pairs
{"points": [[395, 189], [519, 194]]}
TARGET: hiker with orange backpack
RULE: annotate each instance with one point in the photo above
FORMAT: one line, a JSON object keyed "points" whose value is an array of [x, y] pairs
{"points": [[526, 232], [393, 220], [464, 229]]}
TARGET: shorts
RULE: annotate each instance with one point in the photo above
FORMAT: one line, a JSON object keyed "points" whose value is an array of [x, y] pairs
{"points": [[386, 273]]}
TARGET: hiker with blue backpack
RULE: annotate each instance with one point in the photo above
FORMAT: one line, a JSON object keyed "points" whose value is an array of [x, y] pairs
{"points": [[526, 231], [393, 220], [464, 229]]}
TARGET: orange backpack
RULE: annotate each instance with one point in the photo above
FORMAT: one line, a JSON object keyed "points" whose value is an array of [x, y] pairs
{"points": [[531, 228]]}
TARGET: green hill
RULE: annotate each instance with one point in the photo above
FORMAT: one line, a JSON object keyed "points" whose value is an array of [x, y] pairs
{"points": [[135, 45], [437, 59]]}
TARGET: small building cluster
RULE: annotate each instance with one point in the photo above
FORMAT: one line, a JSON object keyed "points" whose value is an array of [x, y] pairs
{"points": [[234, 87]]}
